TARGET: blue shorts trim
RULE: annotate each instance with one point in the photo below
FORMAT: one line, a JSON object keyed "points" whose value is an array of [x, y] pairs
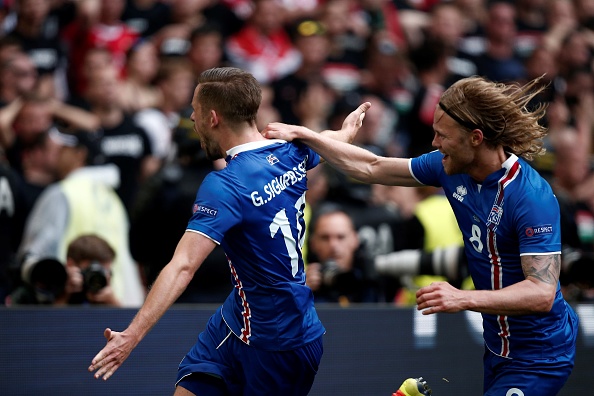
{"points": [[244, 369], [516, 377]]}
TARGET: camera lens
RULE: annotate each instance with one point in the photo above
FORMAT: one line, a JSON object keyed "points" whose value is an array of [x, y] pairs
{"points": [[95, 277]]}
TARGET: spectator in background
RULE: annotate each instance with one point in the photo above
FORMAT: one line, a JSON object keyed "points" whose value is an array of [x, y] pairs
{"points": [[147, 17], [39, 37], [206, 48], [187, 15], [263, 46], [138, 90], [83, 202], [446, 24], [26, 118], [561, 18], [348, 35], [98, 25], [574, 54], [432, 72], [381, 16], [310, 39], [500, 60], [174, 80], [18, 77], [38, 161], [531, 22], [573, 183], [337, 269], [123, 143]]}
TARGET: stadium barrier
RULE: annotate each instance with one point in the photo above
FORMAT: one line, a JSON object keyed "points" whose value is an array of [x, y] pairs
{"points": [[368, 351]]}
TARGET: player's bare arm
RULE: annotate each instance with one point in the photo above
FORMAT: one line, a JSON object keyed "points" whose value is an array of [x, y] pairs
{"points": [[542, 268], [357, 162], [170, 284], [533, 295]]}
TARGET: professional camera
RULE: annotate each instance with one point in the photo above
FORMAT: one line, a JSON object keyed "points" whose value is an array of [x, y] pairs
{"points": [[46, 276], [94, 277], [330, 270]]}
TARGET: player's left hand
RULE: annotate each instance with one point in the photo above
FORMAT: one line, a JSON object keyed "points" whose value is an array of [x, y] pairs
{"points": [[278, 130], [111, 357], [439, 297], [354, 120]]}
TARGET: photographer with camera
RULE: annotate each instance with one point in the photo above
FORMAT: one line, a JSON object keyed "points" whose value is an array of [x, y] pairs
{"points": [[88, 264], [338, 269], [84, 279]]}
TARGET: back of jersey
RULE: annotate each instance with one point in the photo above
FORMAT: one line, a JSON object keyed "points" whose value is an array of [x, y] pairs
{"points": [[254, 208]]}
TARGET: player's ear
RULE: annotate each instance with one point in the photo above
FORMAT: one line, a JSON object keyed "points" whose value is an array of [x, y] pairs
{"points": [[476, 137], [214, 118]]}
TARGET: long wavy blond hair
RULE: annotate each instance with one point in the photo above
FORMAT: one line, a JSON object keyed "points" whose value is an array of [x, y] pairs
{"points": [[501, 112]]}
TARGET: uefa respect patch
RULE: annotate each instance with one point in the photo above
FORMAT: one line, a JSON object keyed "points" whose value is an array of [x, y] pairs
{"points": [[204, 210], [539, 230]]}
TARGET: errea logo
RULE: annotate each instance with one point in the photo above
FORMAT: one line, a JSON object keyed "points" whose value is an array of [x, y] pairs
{"points": [[460, 193], [271, 159]]}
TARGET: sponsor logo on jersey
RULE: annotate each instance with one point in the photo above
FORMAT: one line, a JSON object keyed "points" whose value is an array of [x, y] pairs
{"points": [[538, 230], [271, 159], [460, 193], [205, 210]]}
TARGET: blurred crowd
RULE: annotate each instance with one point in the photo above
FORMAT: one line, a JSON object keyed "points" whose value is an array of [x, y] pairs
{"points": [[96, 140]]}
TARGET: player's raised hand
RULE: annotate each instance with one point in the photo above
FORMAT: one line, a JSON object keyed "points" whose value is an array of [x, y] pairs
{"points": [[111, 357], [354, 120]]}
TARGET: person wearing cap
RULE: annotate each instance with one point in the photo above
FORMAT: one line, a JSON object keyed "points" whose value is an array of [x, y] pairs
{"points": [[484, 134], [83, 201]]}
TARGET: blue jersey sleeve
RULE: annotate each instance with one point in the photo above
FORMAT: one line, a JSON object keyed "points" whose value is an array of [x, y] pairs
{"points": [[538, 225], [427, 168], [313, 158], [217, 208]]}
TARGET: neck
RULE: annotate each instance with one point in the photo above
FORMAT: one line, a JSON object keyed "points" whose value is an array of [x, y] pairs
{"points": [[237, 136], [487, 161]]}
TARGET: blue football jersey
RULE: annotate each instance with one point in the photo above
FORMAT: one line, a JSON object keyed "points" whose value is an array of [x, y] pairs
{"points": [[254, 209], [512, 213]]}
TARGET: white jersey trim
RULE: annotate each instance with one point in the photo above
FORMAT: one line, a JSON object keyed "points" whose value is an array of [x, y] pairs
{"points": [[252, 146], [412, 173], [203, 234], [539, 254]]}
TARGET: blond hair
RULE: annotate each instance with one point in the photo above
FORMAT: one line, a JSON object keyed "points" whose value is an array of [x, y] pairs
{"points": [[501, 112]]}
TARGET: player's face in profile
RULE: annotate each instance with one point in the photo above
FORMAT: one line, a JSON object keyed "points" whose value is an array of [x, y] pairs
{"points": [[201, 126], [453, 143]]}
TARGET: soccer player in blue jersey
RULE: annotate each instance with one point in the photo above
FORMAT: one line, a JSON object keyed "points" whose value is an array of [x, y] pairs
{"points": [[266, 338], [509, 217]]}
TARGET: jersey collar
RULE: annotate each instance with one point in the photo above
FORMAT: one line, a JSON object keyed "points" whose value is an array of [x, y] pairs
{"points": [[232, 152]]}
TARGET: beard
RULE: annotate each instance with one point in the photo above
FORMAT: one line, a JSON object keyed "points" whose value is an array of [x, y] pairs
{"points": [[211, 149]]}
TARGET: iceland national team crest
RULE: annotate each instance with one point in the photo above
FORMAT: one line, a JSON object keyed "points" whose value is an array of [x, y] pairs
{"points": [[271, 159], [494, 217]]}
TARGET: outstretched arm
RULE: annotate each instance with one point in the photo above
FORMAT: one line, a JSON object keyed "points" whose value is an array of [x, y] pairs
{"points": [[334, 147], [191, 251], [535, 294]]}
